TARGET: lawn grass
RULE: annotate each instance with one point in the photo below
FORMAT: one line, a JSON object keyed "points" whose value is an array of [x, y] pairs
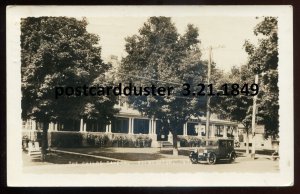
{"points": [[61, 158], [262, 152], [187, 152], [180, 152], [111, 153]]}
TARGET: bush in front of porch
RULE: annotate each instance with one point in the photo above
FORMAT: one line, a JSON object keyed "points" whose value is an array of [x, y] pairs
{"points": [[71, 139]]}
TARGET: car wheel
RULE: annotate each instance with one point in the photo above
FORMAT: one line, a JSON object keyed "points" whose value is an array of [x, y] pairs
{"points": [[212, 159], [232, 157], [194, 159], [274, 156]]}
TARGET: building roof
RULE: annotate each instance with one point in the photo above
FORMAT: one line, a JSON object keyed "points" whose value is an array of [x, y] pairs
{"points": [[130, 112]]}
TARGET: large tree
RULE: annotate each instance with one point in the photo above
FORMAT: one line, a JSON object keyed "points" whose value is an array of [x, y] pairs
{"points": [[263, 60], [236, 108], [160, 56], [59, 52]]}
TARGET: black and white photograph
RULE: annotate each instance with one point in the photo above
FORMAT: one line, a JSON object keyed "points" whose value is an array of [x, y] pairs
{"points": [[150, 96]]}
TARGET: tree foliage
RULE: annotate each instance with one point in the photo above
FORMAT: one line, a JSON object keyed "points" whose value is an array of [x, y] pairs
{"points": [[160, 56], [263, 60], [58, 51], [236, 108]]}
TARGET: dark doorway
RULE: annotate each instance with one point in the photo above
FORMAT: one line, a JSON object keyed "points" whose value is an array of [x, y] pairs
{"points": [[162, 134]]}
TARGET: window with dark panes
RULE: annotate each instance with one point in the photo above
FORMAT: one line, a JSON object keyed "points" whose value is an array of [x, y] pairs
{"points": [[191, 128], [96, 126], [141, 126], [71, 125], [120, 125]]}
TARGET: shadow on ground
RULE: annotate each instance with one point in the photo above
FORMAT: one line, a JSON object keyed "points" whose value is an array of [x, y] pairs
{"points": [[60, 158], [112, 153], [180, 152]]}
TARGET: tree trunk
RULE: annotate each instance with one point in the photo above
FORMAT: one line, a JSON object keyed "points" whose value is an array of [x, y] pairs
{"points": [[247, 142], [45, 140], [175, 149], [253, 146]]}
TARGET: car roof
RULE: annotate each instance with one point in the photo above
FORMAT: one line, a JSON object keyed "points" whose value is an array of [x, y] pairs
{"points": [[219, 140]]}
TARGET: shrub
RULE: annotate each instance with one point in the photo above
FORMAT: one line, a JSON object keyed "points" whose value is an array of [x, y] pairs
{"points": [[97, 140], [101, 140], [194, 142], [139, 142], [65, 139], [120, 141], [90, 139], [75, 139], [148, 142], [25, 141], [190, 141], [131, 142], [143, 142], [183, 142]]}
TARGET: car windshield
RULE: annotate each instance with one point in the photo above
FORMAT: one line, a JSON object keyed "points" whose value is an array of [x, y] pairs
{"points": [[211, 143]]}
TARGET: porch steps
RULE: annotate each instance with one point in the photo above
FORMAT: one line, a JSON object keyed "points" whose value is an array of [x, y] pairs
{"points": [[166, 144]]}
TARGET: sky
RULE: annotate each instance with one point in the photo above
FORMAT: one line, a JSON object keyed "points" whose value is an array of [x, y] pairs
{"points": [[228, 32]]}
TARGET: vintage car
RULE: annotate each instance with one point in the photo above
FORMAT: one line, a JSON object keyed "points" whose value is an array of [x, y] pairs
{"points": [[214, 151], [275, 155]]}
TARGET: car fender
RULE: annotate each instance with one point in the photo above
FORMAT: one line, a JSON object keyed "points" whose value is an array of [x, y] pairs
{"points": [[193, 154], [233, 152], [211, 152]]}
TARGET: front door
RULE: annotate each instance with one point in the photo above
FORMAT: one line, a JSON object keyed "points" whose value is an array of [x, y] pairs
{"points": [[162, 134]]}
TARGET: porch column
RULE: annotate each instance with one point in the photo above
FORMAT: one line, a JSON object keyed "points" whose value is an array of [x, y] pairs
{"points": [[199, 129], [170, 138], [55, 126], [217, 131], [185, 129], [51, 126], [213, 130], [235, 132], [225, 131], [84, 126], [27, 124], [150, 131], [130, 125], [108, 128], [33, 125], [81, 125], [154, 126]]}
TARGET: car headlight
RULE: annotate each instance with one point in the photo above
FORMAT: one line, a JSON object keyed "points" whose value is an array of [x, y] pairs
{"points": [[195, 150]]}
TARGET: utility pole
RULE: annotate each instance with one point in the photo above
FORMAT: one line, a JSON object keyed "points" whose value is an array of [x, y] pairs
{"points": [[253, 120], [208, 97]]}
